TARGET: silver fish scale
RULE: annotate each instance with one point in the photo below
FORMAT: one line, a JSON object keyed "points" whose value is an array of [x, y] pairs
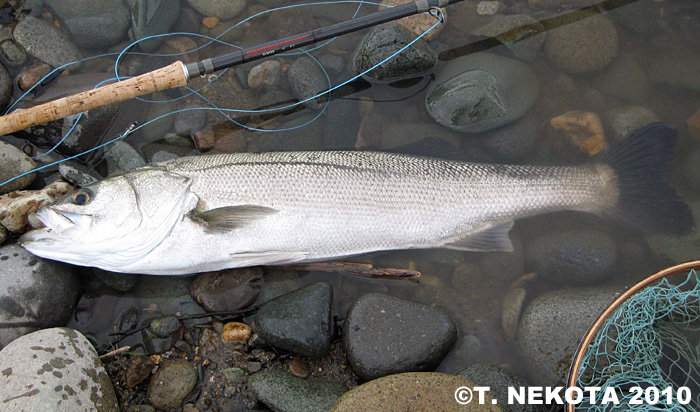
{"points": [[342, 203]]}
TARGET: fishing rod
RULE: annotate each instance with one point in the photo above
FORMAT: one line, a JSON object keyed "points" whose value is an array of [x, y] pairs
{"points": [[178, 74]]}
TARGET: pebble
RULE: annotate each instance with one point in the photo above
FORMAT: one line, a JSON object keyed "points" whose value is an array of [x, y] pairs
{"points": [[620, 121], [265, 75], [209, 342], [520, 33], [121, 157], [298, 321], [139, 369], [418, 23], [236, 332], [253, 367], [45, 42], [189, 122], [487, 8], [286, 393], [552, 327], [413, 391], [93, 24], [227, 290], [383, 41], [32, 76], [13, 54], [210, 22], [150, 18], [204, 141], [54, 369], [384, 335], [15, 207], [676, 70], [299, 368], [223, 9], [307, 80], [5, 87], [499, 380], [510, 312], [165, 326], [624, 78], [171, 384], [577, 135], [480, 92], [14, 162], [584, 46]]}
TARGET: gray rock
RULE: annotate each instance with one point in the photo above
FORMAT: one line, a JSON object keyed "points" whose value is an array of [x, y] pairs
{"points": [[480, 92], [162, 156], [334, 64], [625, 79], [190, 121], [512, 142], [552, 327], [577, 257], [555, 4], [95, 23], [122, 282], [284, 392], [620, 121], [265, 75], [384, 335], [153, 17], [91, 127], [499, 380], [385, 40], [54, 370], [187, 22], [223, 9], [165, 326], [504, 266], [521, 34], [307, 80], [77, 174], [298, 321], [121, 157], [227, 290], [12, 54], [46, 42], [583, 46], [641, 17], [677, 71], [34, 293], [14, 162], [171, 383]]}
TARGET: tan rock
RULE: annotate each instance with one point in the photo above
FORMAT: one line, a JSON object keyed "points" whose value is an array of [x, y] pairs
{"points": [[210, 22], [16, 206], [578, 134], [510, 312], [418, 23], [236, 332]]}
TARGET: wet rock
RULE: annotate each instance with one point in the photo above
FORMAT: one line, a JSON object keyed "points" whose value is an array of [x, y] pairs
{"points": [[209, 342], [14, 162], [416, 391], [77, 174], [677, 71], [552, 327], [150, 18], [223, 9], [521, 34], [187, 21], [5, 88], [266, 74], [577, 257], [210, 22], [298, 321], [510, 312], [139, 370], [385, 40], [622, 120], [155, 130], [165, 326], [46, 42], [298, 368], [54, 369], [577, 135], [307, 80], [680, 248], [583, 46], [32, 76], [499, 380], [190, 121], [641, 18], [555, 4], [227, 290], [487, 8], [122, 282], [512, 142], [504, 266], [95, 23], [162, 156], [12, 54], [385, 335], [418, 23], [625, 79], [694, 124], [15, 207], [286, 393], [480, 92], [121, 157], [236, 332], [334, 64], [171, 383]]}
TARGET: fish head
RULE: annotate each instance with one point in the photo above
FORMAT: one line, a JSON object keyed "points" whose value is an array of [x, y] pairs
{"points": [[112, 223]]}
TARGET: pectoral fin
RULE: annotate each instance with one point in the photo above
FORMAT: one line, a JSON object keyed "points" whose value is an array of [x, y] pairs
{"points": [[228, 218], [491, 239]]}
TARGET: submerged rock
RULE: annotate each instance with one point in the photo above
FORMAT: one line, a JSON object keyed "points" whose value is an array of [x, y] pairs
{"points": [[223, 9], [623, 120], [153, 17], [169, 386], [385, 40], [287, 393], [227, 290], [94, 23], [308, 80], [54, 370], [385, 335], [624, 78], [520, 33], [46, 42], [480, 92], [677, 71], [499, 380]]}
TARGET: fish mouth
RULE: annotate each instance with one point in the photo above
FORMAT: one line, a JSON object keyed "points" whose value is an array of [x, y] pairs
{"points": [[57, 225]]}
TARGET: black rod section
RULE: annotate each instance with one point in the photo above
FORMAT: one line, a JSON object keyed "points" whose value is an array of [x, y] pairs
{"points": [[217, 63]]}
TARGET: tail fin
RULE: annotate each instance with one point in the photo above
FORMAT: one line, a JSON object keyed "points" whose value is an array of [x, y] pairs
{"points": [[646, 200]]}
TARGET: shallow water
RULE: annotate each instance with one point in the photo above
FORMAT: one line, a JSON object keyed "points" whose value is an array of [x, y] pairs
{"points": [[378, 113]]}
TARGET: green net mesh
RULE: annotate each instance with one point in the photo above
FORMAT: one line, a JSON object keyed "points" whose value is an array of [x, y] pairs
{"points": [[651, 341]]}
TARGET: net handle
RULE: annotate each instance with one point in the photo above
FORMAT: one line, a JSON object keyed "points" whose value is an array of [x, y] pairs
{"points": [[595, 327]]}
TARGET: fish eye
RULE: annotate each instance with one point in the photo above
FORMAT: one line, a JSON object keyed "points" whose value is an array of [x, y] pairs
{"points": [[82, 196]]}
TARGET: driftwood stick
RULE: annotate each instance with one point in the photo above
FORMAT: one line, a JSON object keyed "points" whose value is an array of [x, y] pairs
{"points": [[357, 269]]}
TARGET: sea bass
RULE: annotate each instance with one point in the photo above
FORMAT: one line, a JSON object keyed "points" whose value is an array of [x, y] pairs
{"points": [[205, 213]]}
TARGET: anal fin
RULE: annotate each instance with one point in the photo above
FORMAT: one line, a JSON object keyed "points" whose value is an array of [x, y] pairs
{"points": [[228, 218], [271, 257], [491, 239]]}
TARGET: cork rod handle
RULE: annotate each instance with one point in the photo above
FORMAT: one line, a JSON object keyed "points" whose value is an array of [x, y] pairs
{"points": [[174, 75]]}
